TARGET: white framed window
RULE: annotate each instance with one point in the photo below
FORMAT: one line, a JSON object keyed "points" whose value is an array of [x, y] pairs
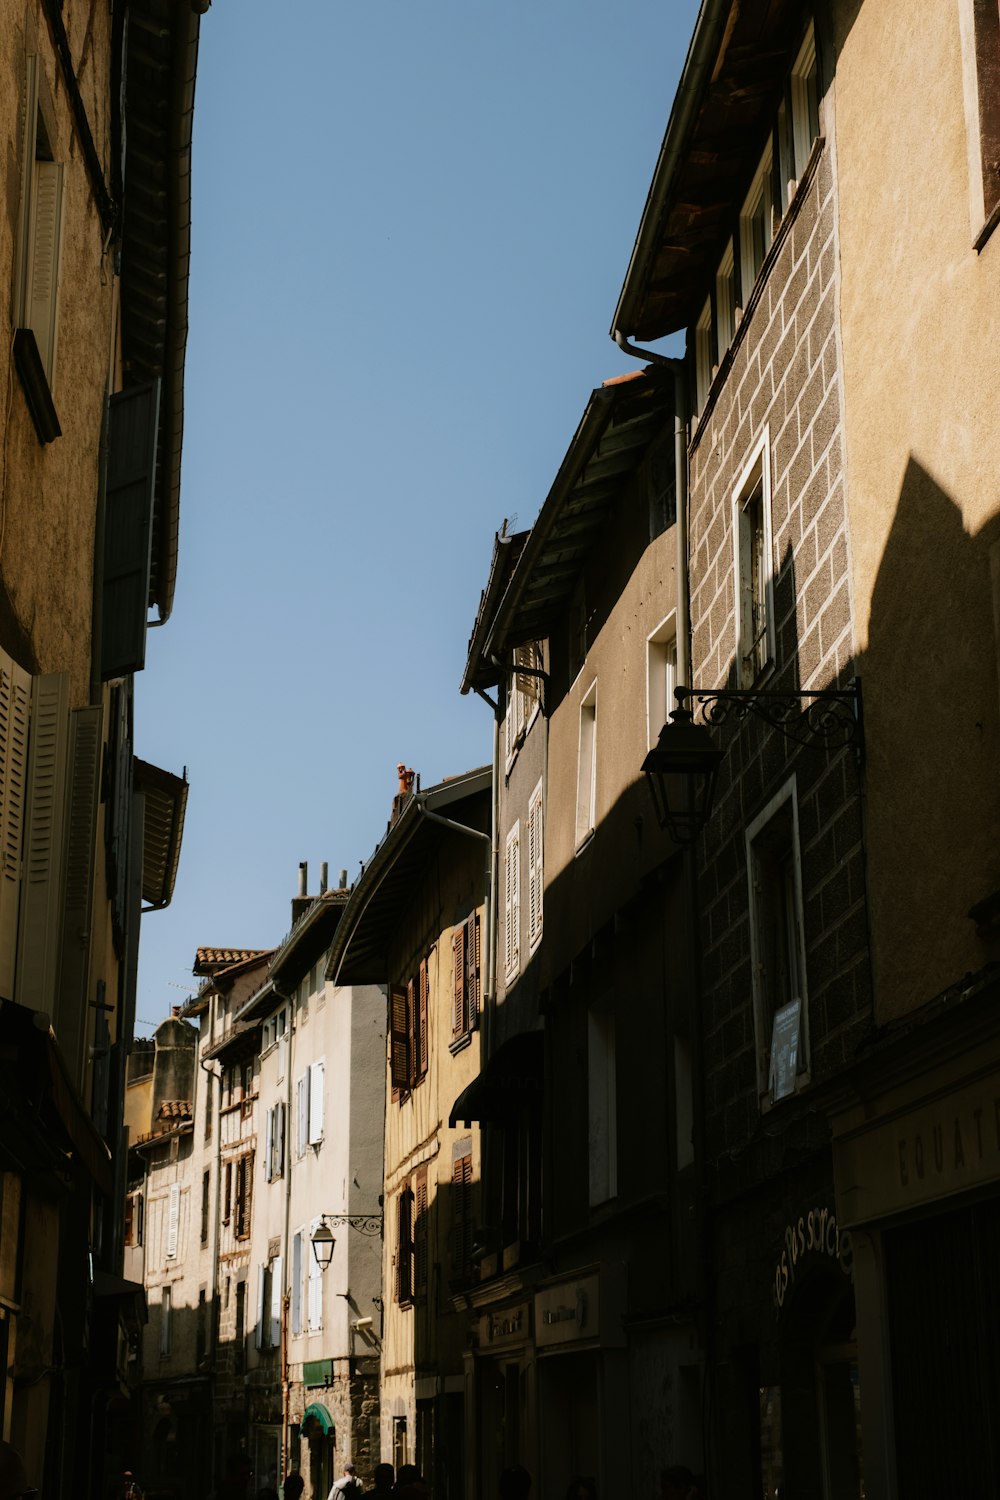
{"points": [[300, 1248], [755, 639], [725, 301], [536, 871], [274, 1028], [40, 227], [804, 94], [274, 1151], [661, 677], [523, 698], [302, 1114], [317, 1074], [586, 775], [703, 355], [314, 1290], [173, 1221], [777, 946], [602, 1106], [512, 902], [756, 222]]}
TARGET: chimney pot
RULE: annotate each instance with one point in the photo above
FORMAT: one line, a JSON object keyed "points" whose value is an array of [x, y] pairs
{"points": [[323, 874], [303, 877], [343, 880]]}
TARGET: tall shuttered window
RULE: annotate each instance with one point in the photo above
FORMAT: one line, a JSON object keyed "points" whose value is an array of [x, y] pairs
{"points": [[536, 876], [512, 903], [466, 976], [404, 1246]]}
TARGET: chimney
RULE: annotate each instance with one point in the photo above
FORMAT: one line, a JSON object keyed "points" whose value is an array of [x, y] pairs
{"points": [[405, 774], [301, 901], [323, 874], [343, 880]]}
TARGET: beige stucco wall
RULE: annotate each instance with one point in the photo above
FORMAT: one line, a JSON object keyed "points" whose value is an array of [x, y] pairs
{"points": [[921, 361]]}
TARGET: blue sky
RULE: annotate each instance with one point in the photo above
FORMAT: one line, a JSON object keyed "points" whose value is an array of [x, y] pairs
{"points": [[412, 219]]}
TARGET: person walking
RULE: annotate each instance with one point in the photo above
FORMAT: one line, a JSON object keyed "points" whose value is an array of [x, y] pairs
{"points": [[348, 1487]]}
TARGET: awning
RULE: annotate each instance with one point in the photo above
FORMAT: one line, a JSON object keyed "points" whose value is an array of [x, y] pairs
{"points": [[165, 797], [319, 1413], [512, 1076]]}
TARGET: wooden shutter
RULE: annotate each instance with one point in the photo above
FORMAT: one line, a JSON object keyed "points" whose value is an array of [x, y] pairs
{"points": [[474, 961], [412, 1030], [277, 1288], [281, 1139], [173, 1221], [527, 656], [399, 1038], [44, 235], [129, 1218], [74, 962], [509, 729], [535, 867], [316, 1082], [41, 883], [461, 1213], [404, 1246], [458, 1005], [15, 703], [420, 1237], [423, 985], [133, 418]]}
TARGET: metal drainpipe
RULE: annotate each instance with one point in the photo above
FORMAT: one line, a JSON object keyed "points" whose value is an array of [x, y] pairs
{"points": [[285, 1268], [420, 798], [680, 481]]}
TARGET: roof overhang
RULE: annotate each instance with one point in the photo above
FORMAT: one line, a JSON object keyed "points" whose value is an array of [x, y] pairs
{"points": [[359, 950], [309, 938], [480, 671], [240, 1038], [622, 419], [722, 112], [512, 1077], [161, 62], [165, 802]]}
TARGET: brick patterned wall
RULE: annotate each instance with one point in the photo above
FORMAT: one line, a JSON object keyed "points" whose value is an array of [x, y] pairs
{"points": [[782, 375]]}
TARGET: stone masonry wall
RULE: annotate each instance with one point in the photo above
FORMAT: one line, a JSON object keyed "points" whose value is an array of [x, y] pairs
{"points": [[782, 375]]}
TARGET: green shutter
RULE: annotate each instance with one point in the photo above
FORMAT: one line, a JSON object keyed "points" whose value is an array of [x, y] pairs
{"points": [[128, 528]]}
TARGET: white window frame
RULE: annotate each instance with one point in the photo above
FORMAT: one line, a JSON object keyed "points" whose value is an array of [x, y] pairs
{"points": [[317, 1083], [661, 676], [703, 355], [173, 1222], [762, 1009], [536, 865], [314, 1287], [300, 1246], [302, 1114], [758, 200], [804, 91], [512, 903], [586, 768], [725, 302], [757, 469]]}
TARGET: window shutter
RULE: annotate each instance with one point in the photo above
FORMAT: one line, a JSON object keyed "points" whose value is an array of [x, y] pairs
{"points": [[474, 956], [512, 901], [133, 419], [15, 701], [509, 731], [404, 1246], [228, 1193], [38, 937], [420, 1257], [173, 1221], [297, 1282], [281, 1139], [315, 1287], [129, 1218], [74, 961], [527, 656], [535, 867], [277, 1287], [399, 1038], [423, 986], [412, 1030], [269, 1144], [316, 1078], [461, 1213], [44, 233], [302, 1111], [259, 1325], [458, 1007]]}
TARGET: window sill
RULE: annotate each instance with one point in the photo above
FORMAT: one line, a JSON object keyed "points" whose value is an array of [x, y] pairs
{"points": [[459, 1043], [803, 1081], [979, 243], [35, 385], [584, 843]]}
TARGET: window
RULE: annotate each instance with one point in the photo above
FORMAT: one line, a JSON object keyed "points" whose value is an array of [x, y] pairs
{"points": [[661, 488], [309, 1107], [804, 92], [244, 1196], [536, 878], [703, 355], [577, 630], [165, 1329], [227, 1194], [274, 1150], [241, 1327], [274, 1028], [404, 1246], [512, 903], [39, 232], [409, 1031], [980, 26], [300, 1248], [661, 677], [602, 1106], [754, 584], [523, 696], [776, 946], [302, 1114], [586, 779], [173, 1221], [420, 1235], [134, 1219], [725, 302], [756, 222], [462, 1219], [206, 1186], [314, 1308], [466, 966]]}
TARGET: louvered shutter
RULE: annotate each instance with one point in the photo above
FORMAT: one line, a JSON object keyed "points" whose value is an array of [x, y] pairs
{"points": [[315, 1287], [281, 1139], [44, 234], [535, 866], [458, 1006], [74, 965], [133, 417], [412, 1025], [473, 946], [173, 1221], [317, 1074], [260, 1325], [15, 701], [461, 1214], [41, 881], [297, 1281], [399, 1038], [277, 1288], [512, 901], [269, 1144], [420, 1246], [526, 656], [423, 987]]}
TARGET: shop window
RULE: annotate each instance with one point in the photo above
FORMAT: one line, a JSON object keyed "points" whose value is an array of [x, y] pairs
{"points": [[777, 947]]}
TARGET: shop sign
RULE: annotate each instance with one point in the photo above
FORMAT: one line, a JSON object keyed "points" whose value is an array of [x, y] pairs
{"points": [[568, 1312], [813, 1235], [508, 1325], [921, 1154]]}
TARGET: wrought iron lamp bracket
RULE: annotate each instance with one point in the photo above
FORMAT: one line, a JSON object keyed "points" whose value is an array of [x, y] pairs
{"points": [[827, 719], [364, 1223]]}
